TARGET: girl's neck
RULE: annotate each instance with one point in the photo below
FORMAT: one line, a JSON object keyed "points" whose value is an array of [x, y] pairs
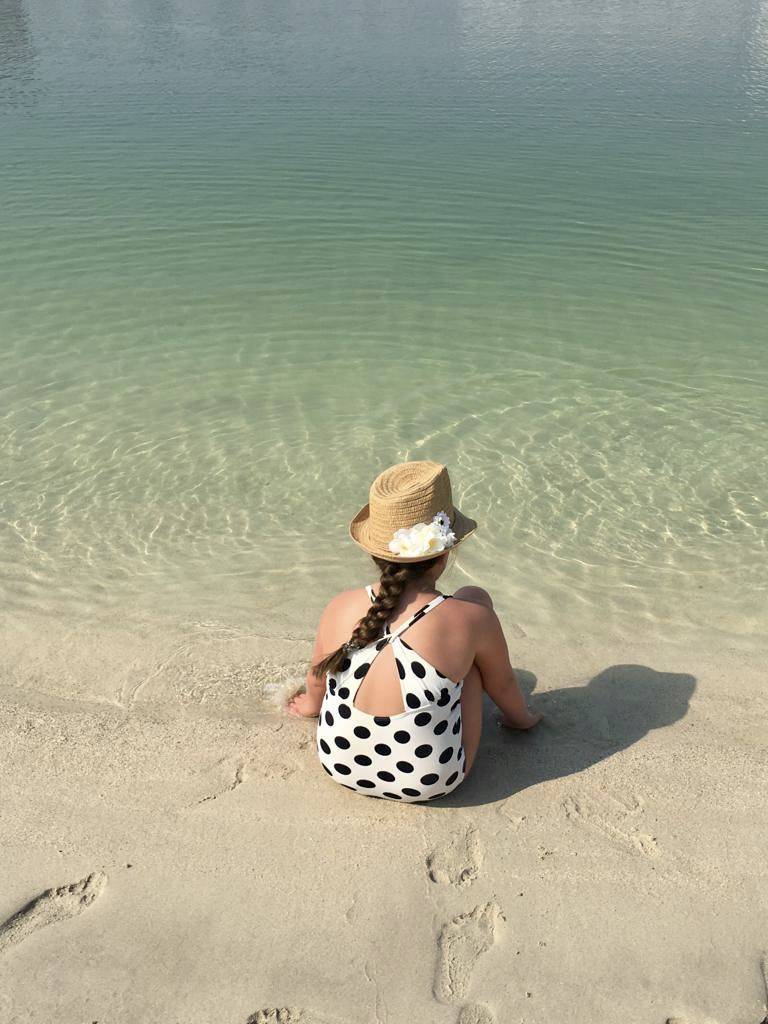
{"points": [[419, 588]]}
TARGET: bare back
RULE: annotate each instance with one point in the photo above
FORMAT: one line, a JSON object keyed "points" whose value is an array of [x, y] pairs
{"points": [[447, 639]]}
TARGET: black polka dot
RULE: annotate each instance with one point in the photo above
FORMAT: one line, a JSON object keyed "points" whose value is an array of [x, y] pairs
{"points": [[405, 766], [423, 719], [385, 776], [405, 644], [400, 669], [324, 747], [343, 693], [326, 768], [441, 726], [411, 792], [366, 784], [344, 665], [342, 743], [342, 769], [423, 751], [381, 720], [451, 779], [344, 711], [440, 674], [402, 736], [361, 732], [362, 759], [383, 749], [429, 780], [456, 727], [332, 686], [429, 695], [328, 718], [382, 644], [393, 796], [418, 669], [442, 700], [412, 700], [459, 752], [445, 757], [455, 704], [362, 669]]}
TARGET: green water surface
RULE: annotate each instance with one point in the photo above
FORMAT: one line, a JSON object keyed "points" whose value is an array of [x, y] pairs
{"points": [[253, 253]]}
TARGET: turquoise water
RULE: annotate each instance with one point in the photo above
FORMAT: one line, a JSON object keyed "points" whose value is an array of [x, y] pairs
{"points": [[251, 254]]}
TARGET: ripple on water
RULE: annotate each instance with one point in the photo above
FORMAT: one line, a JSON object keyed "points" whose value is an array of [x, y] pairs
{"points": [[234, 288], [608, 493]]}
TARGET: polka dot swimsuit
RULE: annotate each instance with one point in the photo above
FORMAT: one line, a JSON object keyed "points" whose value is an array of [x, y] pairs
{"points": [[412, 756]]}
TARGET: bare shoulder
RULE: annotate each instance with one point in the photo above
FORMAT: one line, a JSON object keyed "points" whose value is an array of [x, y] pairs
{"points": [[473, 607], [346, 604], [340, 616], [474, 595]]}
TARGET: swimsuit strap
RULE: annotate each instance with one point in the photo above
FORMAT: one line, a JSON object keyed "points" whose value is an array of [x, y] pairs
{"points": [[418, 615], [425, 610]]}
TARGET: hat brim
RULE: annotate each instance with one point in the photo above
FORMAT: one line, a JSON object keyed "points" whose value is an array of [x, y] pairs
{"points": [[462, 526]]}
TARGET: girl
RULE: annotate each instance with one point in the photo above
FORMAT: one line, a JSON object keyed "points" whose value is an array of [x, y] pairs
{"points": [[400, 717]]}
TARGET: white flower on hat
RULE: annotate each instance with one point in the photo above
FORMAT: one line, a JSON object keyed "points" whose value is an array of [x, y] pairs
{"points": [[423, 538]]}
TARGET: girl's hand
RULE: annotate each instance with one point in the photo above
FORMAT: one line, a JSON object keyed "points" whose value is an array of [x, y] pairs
{"points": [[531, 718], [303, 705]]}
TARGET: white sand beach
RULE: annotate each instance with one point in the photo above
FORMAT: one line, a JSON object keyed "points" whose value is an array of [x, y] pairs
{"points": [[190, 862]]}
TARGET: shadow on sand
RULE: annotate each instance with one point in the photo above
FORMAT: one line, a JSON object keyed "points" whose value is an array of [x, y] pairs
{"points": [[582, 725]]}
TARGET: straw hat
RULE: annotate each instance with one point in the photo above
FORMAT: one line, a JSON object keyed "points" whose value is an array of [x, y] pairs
{"points": [[401, 497]]}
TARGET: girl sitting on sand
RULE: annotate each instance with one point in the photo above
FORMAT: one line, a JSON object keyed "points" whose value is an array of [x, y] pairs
{"points": [[401, 719]]}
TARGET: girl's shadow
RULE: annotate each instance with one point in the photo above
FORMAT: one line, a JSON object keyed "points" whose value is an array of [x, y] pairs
{"points": [[581, 726]]}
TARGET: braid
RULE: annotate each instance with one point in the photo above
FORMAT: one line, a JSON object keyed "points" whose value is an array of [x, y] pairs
{"points": [[395, 576], [394, 579]]}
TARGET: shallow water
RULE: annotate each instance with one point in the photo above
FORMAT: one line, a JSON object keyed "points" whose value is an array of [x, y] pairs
{"points": [[254, 253]]}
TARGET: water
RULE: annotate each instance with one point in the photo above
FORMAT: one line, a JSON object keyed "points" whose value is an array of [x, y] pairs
{"points": [[251, 254]]}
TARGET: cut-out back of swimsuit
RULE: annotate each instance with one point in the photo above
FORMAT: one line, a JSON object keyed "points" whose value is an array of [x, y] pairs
{"points": [[412, 756]]}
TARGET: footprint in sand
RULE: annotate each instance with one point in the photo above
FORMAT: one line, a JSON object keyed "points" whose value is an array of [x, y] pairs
{"points": [[51, 906], [597, 815], [284, 1016], [475, 1014], [458, 861], [462, 941], [235, 780], [287, 1015]]}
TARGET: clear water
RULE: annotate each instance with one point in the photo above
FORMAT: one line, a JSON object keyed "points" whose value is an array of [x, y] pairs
{"points": [[253, 253]]}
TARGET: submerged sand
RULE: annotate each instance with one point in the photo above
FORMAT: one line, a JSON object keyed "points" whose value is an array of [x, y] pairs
{"points": [[168, 857]]}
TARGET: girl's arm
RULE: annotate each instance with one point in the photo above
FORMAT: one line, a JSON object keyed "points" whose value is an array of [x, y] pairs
{"points": [[307, 704], [499, 679]]}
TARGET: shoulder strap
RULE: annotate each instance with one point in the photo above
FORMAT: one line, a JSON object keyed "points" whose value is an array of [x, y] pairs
{"points": [[388, 637], [416, 616]]}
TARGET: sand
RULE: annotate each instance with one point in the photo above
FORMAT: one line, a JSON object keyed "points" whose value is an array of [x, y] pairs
{"points": [[172, 858]]}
